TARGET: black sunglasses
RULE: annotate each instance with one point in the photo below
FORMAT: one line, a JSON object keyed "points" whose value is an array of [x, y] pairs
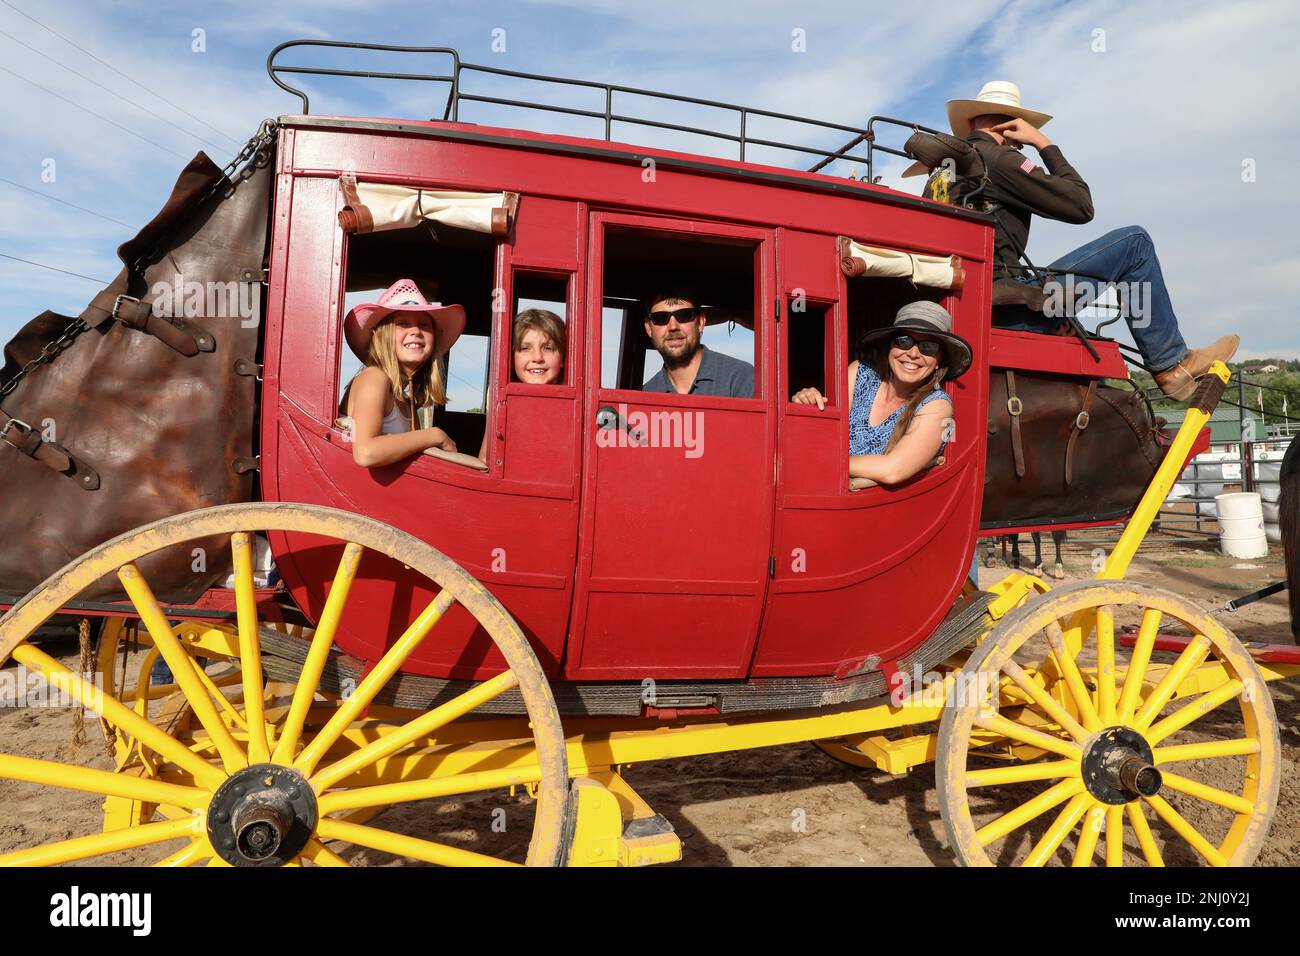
{"points": [[681, 315], [927, 346]]}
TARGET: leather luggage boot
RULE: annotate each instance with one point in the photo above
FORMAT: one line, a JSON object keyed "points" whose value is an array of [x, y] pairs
{"points": [[1180, 381]]}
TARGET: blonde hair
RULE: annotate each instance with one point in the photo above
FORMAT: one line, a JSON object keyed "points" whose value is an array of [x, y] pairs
{"points": [[427, 385]]}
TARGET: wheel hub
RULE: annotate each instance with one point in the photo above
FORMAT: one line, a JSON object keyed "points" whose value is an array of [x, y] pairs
{"points": [[262, 816], [1118, 767]]}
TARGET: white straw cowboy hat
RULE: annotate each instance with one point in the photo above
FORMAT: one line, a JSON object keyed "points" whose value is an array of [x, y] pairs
{"points": [[402, 296], [997, 97], [1000, 97], [930, 319]]}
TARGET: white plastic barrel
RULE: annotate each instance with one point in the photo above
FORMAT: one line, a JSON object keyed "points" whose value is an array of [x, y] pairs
{"points": [[1241, 525]]}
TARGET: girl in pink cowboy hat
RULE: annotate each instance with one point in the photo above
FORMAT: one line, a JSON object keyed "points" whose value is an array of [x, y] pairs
{"points": [[400, 339]]}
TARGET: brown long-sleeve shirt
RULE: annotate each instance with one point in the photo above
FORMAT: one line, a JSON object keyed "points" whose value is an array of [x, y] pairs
{"points": [[1023, 189]]}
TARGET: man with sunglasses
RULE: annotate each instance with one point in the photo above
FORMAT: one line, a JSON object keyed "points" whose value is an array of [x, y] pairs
{"points": [[675, 324]]}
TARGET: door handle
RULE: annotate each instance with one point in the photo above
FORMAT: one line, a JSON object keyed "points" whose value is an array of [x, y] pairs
{"points": [[607, 417]]}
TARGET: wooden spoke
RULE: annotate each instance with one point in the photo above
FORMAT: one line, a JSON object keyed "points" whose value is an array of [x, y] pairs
{"points": [[1014, 819], [1179, 825], [182, 666], [1069, 670], [120, 716], [89, 780], [321, 642], [1022, 773], [417, 729], [1237, 747], [1027, 735], [1193, 711], [321, 855], [1143, 830], [97, 844], [250, 646], [1204, 791], [1137, 664], [1191, 657], [1115, 836], [372, 683], [1088, 835], [1065, 821], [1106, 686], [399, 845], [411, 790], [1044, 700]]}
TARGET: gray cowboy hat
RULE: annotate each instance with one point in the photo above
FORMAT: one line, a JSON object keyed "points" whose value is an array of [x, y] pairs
{"points": [[930, 319]]}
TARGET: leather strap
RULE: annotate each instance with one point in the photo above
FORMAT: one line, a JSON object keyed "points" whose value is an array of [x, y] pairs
{"points": [[22, 437], [177, 333], [1014, 407], [1080, 423]]}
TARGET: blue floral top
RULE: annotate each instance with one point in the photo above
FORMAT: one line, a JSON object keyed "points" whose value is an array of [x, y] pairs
{"points": [[868, 439]]}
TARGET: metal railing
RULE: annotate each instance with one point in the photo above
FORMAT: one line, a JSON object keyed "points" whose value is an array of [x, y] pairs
{"points": [[459, 71]]}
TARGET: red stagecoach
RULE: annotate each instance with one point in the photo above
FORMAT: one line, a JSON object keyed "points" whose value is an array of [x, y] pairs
{"points": [[646, 575]]}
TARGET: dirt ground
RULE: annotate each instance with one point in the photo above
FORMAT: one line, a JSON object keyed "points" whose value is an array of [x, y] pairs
{"points": [[784, 806]]}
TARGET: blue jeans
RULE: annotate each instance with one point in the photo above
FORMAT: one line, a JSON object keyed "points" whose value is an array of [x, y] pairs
{"points": [[1125, 256]]}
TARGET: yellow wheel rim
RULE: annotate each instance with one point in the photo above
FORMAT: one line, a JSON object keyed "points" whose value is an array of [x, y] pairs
{"points": [[1060, 744], [325, 751]]}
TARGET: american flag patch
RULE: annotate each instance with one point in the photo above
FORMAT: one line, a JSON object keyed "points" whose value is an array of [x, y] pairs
{"points": [[1027, 166]]}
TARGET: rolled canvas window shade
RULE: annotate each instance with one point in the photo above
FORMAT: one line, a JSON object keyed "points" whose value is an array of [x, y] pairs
{"points": [[938, 272], [376, 207]]}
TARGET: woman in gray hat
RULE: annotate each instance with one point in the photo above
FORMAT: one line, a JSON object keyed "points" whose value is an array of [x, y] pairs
{"points": [[900, 417]]}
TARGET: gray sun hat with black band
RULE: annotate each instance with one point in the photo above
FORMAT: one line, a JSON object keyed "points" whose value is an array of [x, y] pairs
{"points": [[930, 319]]}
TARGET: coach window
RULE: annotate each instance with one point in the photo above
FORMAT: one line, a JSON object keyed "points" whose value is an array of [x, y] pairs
{"points": [[548, 292], [638, 263], [873, 302], [452, 266], [808, 330]]}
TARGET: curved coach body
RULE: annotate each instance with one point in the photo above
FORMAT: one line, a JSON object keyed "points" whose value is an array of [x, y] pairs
{"points": [[744, 555]]}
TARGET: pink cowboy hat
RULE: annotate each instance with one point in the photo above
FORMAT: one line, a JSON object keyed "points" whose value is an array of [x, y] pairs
{"points": [[402, 296]]}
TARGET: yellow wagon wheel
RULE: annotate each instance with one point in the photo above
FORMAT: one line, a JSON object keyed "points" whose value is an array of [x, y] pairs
{"points": [[1059, 744], [248, 787]]}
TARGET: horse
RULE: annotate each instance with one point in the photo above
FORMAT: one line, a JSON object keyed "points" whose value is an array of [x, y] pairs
{"points": [[1013, 540]]}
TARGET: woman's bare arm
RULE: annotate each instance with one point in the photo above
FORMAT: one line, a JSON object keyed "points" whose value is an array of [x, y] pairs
{"points": [[916, 449]]}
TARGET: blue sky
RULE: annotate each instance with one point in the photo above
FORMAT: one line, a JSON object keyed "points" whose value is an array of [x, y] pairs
{"points": [[1159, 110]]}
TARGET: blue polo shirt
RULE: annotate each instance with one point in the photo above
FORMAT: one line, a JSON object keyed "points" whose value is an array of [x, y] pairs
{"points": [[718, 374]]}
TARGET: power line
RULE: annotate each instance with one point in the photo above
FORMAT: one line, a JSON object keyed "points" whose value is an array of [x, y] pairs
{"points": [[119, 72], [112, 92], [42, 265], [65, 202], [94, 114]]}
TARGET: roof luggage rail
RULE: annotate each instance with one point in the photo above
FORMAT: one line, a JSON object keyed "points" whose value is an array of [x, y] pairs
{"points": [[458, 71]]}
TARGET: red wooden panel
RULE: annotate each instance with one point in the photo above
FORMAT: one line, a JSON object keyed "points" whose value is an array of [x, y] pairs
{"points": [[1034, 352]]}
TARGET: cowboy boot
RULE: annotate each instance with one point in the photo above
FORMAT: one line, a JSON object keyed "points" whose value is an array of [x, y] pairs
{"points": [[1180, 381]]}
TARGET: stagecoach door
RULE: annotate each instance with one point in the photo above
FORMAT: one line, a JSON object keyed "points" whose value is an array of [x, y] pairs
{"points": [[676, 517]]}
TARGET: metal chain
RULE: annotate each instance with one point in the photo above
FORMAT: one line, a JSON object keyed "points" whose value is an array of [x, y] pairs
{"points": [[254, 154], [47, 354]]}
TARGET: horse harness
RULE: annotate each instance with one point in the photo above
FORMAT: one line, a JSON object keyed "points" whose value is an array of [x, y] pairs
{"points": [[1016, 407]]}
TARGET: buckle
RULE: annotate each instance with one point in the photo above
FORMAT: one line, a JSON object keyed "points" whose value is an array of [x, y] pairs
{"points": [[14, 423], [117, 305], [1081, 421], [1014, 405]]}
